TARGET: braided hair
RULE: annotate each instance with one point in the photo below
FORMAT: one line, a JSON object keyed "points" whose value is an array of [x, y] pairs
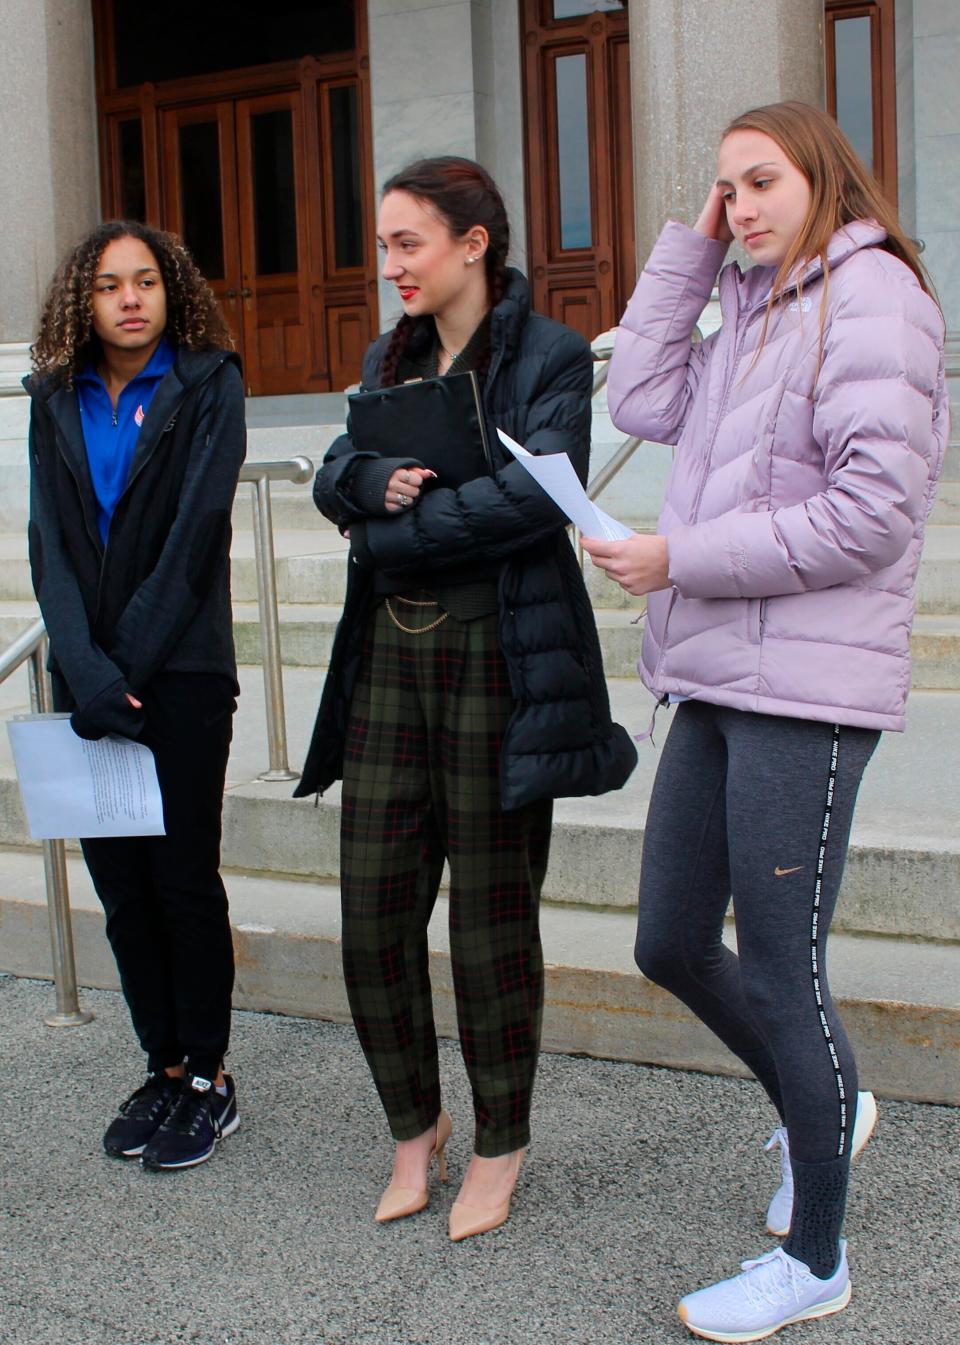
{"points": [[464, 194]]}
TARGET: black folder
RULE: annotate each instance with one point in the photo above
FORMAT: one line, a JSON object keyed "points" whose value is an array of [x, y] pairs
{"points": [[439, 421]]}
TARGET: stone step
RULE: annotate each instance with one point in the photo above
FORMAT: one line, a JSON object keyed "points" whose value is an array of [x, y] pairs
{"points": [[902, 878], [307, 631], [310, 568], [287, 935]]}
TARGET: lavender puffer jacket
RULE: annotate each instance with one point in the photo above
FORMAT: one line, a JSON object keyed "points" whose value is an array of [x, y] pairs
{"points": [[797, 500]]}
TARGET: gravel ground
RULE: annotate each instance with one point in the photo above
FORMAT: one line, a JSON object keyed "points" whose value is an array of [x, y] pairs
{"points": [[641, 1185]]}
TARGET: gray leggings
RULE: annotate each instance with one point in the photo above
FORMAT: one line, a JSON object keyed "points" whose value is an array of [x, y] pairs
{"points": [[760, 807]]}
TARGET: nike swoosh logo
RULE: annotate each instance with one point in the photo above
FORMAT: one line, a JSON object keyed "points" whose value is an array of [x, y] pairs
{"points": [[780, 873]]}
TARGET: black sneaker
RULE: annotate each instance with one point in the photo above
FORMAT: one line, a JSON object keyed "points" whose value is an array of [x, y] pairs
{"points": [[141, 1116], [193, 1127]]}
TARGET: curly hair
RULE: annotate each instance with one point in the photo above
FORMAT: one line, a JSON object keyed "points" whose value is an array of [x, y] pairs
{"points": [[464, 194], [66, 341]]}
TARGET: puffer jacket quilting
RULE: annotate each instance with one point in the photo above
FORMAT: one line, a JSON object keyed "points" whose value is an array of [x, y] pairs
{"points": [[796, 505]]}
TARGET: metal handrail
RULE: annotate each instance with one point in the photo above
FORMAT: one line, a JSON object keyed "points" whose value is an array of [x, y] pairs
{"points": [[623, 454], [31, 647], [259, 475]]}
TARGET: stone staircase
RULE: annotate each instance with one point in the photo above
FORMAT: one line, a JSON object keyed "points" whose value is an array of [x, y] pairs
{"points": [[895, 959]]}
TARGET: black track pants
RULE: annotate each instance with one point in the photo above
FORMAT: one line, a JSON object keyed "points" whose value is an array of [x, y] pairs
{"points": [[166, 908]]}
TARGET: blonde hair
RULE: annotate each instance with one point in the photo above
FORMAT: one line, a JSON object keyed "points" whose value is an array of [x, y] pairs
{"points": [[842, 189]]}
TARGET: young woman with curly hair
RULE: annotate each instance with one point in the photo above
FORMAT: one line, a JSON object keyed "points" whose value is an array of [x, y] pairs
{"points": [[465, 690], [136, 440]]}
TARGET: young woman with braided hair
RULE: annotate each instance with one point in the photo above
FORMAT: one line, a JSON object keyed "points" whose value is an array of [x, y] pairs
{"points": [[465, 690]]}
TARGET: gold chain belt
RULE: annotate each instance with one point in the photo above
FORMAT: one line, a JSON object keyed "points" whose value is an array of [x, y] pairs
{"points": [[412, 602]]}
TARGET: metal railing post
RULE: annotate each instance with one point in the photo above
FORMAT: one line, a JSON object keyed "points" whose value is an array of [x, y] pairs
{"points": [[270, 633], [68, 1011], [259, 476]]}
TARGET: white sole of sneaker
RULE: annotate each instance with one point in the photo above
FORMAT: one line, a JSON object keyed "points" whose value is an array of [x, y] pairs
{"points": [[865, 1123], [826, 1309]]}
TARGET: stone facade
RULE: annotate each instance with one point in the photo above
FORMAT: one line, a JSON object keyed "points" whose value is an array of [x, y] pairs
{"points": [[446, 77]]}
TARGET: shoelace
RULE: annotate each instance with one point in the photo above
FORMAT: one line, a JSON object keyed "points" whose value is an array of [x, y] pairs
{"points": [[773, 1285], [145, 1099], [187, 1115]]}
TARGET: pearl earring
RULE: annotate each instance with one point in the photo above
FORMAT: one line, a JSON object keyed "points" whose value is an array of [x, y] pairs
{"points": [[471, 260]]}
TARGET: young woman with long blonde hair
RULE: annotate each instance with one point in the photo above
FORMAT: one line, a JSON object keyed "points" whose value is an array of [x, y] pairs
{"points": [[810, 432]]}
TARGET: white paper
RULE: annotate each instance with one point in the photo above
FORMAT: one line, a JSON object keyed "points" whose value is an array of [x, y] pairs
{"points": [[73, 787], [553, 473]]}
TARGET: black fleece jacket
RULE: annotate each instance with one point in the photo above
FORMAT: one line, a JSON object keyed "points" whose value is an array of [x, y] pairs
{"points": [[560, 739], [157, 596]]}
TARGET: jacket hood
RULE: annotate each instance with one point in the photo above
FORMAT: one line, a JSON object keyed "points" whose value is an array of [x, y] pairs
{"points": [[190, 366]]}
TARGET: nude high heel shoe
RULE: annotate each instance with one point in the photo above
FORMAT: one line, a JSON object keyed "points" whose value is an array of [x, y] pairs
{"points": [[399, 1201], [466, 1221]]}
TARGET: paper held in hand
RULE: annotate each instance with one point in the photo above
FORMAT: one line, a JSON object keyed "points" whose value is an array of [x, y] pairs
{"points": [[553, 473], [73, 787]]}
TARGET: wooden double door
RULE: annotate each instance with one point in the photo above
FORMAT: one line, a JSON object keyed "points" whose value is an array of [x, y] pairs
{"points": [[231, 191], [240, 186], [270, 189]]}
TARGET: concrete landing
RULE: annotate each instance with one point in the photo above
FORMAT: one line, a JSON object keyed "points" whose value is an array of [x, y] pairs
{"points": [[640, 1185]]}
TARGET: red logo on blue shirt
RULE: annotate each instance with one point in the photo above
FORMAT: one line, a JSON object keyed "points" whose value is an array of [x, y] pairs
{"points": [[138, 416]]}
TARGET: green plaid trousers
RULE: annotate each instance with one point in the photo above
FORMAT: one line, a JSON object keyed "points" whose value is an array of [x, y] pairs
{"points": [[420, 784]]}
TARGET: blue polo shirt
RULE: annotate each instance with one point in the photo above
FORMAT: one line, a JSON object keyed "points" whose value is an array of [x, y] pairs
{"points": [[111, 437]]}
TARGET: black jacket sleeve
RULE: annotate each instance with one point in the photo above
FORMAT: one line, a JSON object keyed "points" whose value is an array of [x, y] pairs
{"points": [[490, 518], [199, 540], [95, 681], [352, 484]]}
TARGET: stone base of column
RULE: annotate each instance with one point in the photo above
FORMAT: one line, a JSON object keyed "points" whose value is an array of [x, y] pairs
{"points": [[14, 422]]}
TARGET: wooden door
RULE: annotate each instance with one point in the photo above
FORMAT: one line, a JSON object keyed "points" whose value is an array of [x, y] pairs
{"points": [[231, 190], [199, 188], [271, 208], [579, 160]]}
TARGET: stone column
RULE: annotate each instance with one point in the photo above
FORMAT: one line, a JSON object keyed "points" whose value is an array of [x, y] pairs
{"points": [[50, 193], [445, 79], [695, 64], [48, 150], [928, 142]]}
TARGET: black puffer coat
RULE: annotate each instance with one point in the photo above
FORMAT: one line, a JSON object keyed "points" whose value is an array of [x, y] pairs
{"points": [[560, 740]]}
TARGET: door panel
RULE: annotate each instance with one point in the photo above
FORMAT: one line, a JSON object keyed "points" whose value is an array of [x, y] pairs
{"points": [[199, 186], [271, 210], [580, 164]]}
